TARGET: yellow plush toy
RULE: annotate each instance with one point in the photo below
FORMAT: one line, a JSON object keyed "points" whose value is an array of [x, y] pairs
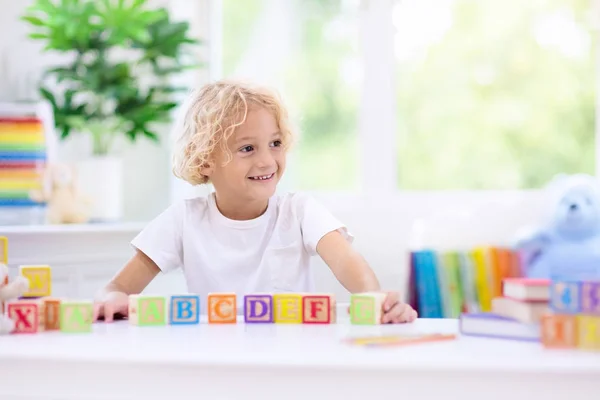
{"points": [[65, 204]]}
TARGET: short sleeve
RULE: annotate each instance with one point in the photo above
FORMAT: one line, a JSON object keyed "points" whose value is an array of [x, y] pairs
{"points": [[161, 239], [316, 221]]}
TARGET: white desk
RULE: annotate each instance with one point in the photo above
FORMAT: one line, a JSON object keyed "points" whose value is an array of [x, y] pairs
{"points": [[285, 362]]}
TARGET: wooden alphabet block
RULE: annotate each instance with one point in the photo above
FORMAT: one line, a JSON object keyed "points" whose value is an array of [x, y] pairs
{"points": [[4, 250], [588, 332], [288, 308], [76, 316], [366, 308], [318, 309], [558, 331], [565, 297], [40, 280], [258, 308], [184, 310], [147, 310], [27, 314], [590, 298], [51, 313], [222, 308]]}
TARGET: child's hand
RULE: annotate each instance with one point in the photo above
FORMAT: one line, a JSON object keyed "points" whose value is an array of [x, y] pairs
{"points": [[395, 311], [110, 304]]}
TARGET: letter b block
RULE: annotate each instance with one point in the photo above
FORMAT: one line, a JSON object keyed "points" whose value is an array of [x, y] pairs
{"points": [[184, 310], [366, 308], [40, 280], [258, 308], [145, 310], [288, 308], [222, 308], [318, 309], [76, 316]]}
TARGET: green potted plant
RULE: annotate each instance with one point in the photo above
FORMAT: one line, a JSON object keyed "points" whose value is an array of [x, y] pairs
{"points": [[117, 81]]}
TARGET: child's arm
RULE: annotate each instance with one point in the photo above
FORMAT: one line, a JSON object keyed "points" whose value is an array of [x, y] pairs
{"points": [[113, 299], [355, 274]]}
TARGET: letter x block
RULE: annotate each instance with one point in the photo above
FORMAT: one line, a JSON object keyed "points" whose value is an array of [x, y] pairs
{"points": [[147, 310], [28, 315], [76, 316], [366, 308], [184, 310], [40, 280], [288, 308], [222, 308], [258, 308], [318, 309]]}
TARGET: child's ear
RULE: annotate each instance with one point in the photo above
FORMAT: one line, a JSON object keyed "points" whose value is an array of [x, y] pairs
{"points": [[207, 168]]}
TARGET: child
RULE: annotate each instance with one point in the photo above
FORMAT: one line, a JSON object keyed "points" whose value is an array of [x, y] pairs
{"points": [[243, 238]]}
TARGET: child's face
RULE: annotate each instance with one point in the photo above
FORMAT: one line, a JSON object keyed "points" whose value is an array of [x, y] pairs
{"points": [[258, 159]]}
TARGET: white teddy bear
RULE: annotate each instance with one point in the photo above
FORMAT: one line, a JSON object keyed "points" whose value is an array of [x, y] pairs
{"points": [[9, 291]]}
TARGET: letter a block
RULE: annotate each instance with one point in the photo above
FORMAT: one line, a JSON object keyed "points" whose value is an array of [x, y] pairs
{"points": [[147, 310], [565, 297], [27, 314], [222, 308], [588, 329], [288, 308], [51, 314], [590, 298], [76, 316], [559, 331], [184, 310], [40, 280], [318, 309], [258, 308], [366, 308]]}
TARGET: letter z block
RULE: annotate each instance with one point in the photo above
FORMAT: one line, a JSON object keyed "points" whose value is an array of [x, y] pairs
{"points": [[147, 310], [559, 331], [40, 280], [222, 308], [76, 316], [366, 308], [184, 310], [258, 308], [318, 309], [28, 315], [590, 298], [565, 297], [288, 308], [588, 332]]}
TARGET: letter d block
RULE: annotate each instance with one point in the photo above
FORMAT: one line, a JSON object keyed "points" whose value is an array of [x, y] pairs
{"points": [[145, 310], [76, 316], [184, 310], [40, 280], [222, 308], [318, 309], [288, 308], [258, 308], [366, 308]]}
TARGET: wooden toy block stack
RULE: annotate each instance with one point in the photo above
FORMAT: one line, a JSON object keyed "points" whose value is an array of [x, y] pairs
{"points": [[574, 321], [36, 310]]}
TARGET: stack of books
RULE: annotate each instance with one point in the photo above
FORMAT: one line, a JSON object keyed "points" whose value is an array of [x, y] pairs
{"points": [[516, 314], [23, 158]]}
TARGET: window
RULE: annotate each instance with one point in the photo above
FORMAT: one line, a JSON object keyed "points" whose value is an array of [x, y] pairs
{"points": [[493, 94], [308, 49]]}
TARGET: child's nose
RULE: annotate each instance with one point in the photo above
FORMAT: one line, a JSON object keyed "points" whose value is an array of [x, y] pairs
{"points": [[265, 159]]}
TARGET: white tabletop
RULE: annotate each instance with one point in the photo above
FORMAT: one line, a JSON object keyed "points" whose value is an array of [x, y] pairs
{"points": [[118, 351]]}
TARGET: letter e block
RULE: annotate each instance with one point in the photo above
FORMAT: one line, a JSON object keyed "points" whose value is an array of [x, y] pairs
{"points": [[27, 315], [288, 308], [588, 328], [565, 297], [76, 316], [222, 308], [258, 308], [590, 298], [40, 280], [184, 310], [559, 331], [317, 308], [366, 308]]}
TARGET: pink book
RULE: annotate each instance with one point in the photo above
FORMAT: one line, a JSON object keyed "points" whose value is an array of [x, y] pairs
{"points": [[526, 289]]}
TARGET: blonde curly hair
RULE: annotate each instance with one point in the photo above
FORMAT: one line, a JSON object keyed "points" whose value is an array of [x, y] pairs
{"points": [[211, 117]]}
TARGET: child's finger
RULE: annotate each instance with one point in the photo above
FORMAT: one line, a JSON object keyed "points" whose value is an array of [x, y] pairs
{"points": [[407, 315], [109, 311], [97, 311], [393, 313], [390, 301]]}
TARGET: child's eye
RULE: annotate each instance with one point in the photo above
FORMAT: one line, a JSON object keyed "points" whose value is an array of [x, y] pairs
{"points": [[277, 143], [246, 149]]}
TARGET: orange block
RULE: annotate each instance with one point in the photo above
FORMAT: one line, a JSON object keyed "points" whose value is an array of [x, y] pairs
{"points": [[559, 331], [222, 308], [51, 314], [27, 314], [588, 332], [318, 309]]}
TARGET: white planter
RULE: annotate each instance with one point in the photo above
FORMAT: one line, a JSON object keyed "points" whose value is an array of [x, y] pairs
{"points": [[100, 178]]}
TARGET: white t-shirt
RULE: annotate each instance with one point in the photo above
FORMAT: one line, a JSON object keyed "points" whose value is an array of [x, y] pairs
{"points": [[268, 254]]}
